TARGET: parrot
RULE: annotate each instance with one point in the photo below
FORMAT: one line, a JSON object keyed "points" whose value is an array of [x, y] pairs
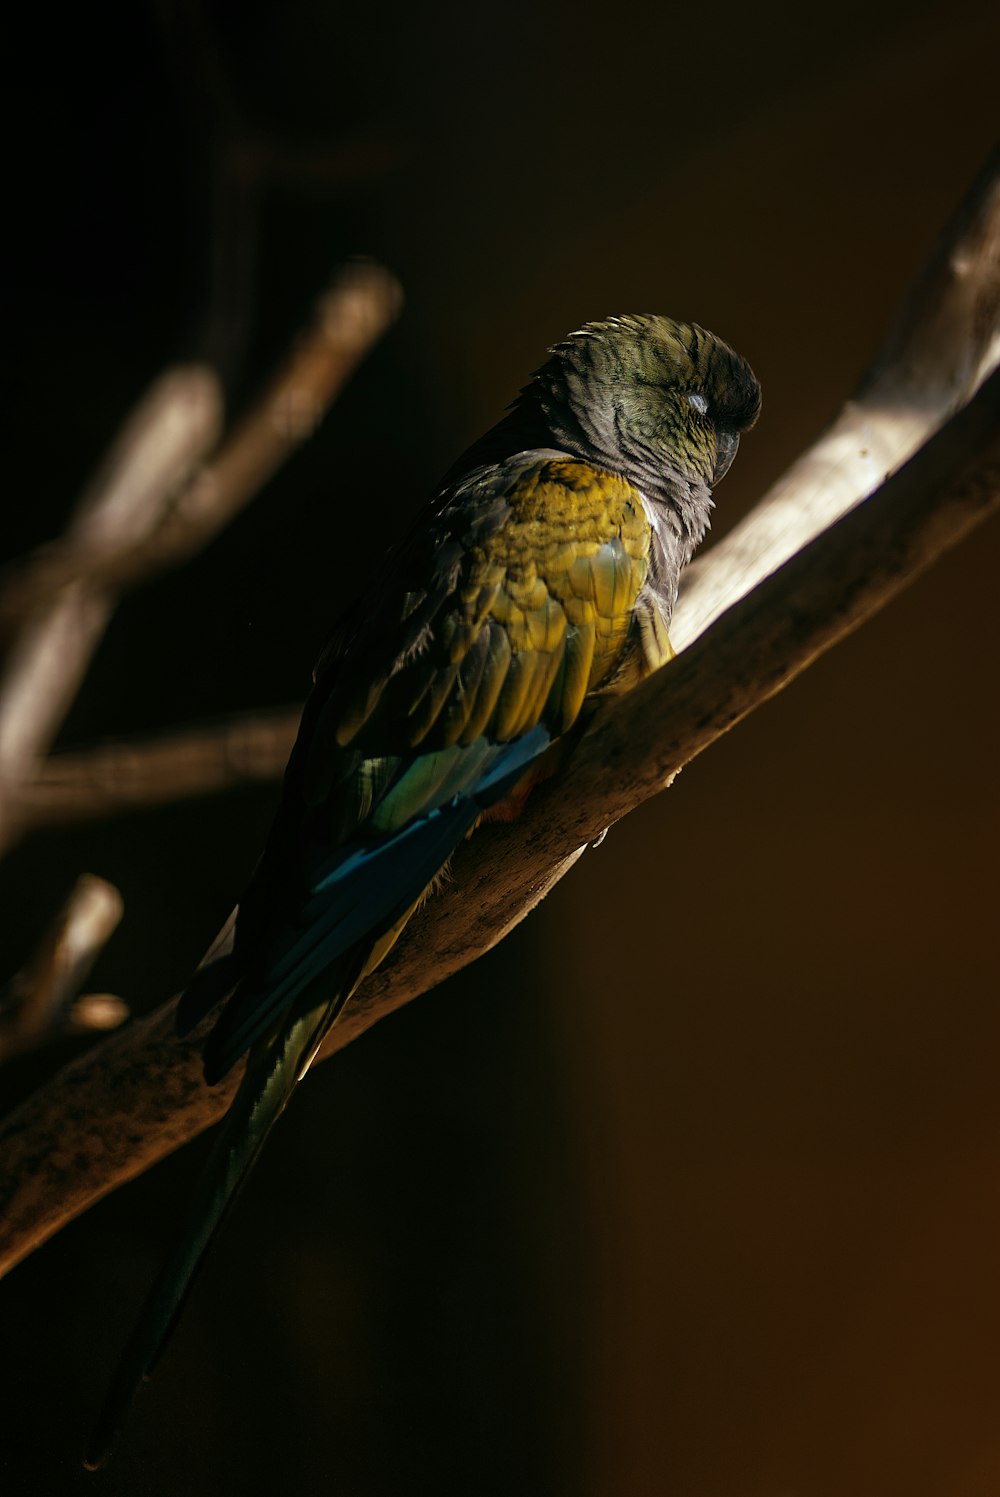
{"points": [[539, 579]]}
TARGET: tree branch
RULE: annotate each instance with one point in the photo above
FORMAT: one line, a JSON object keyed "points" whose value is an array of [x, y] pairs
{"points": [[137, 1096], [154, 505], [941, 346], [165, 438], [126, 775], [362, 301], [41, 1002]]}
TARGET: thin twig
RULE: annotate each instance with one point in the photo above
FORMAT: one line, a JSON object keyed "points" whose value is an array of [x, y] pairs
{"points": [[159, 447], [361, 304], [41, 1001], [148, 509]]}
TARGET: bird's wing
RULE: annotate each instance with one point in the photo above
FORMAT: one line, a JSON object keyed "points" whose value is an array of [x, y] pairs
{"points": [[517, 598], [514, 599], [513, 603]]}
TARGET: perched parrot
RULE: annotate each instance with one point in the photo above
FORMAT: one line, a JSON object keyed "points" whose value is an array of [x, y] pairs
{"points": [[542, 573]]}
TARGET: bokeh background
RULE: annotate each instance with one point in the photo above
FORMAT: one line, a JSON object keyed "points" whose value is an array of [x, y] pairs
{"points": [[692, 1187]]}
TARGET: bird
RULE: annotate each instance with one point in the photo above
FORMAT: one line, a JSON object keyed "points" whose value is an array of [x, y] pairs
{"points": [[539, 579]]}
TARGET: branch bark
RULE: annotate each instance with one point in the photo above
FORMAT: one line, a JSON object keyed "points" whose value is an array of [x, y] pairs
{"points": [[944, 341], [803, 575], [113, 778]]}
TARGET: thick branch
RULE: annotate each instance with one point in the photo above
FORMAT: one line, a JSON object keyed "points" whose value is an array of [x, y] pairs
{"points": [[943, 343], [139, 1095]]}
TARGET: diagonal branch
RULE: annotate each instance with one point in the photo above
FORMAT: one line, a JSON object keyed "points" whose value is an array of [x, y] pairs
{"points": [[159, 447], [154, 504], [136, 1097], [42, 1002], [941, 346], [360, 304]]}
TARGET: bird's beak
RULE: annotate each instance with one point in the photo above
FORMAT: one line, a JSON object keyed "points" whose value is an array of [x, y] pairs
{"points": [[726, 443]]}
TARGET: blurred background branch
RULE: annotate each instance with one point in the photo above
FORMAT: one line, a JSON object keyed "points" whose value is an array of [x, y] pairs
{"points": [[173, 521], [157, 500], [43, 1001], [60, 624], [114, 778]]}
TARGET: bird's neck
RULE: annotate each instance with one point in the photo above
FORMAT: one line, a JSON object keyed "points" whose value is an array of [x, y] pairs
{"points": [[522, 429], [679, 506]]}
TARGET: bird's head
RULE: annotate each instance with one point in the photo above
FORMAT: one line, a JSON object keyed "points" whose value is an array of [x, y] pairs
{"points": [[647, 395]]}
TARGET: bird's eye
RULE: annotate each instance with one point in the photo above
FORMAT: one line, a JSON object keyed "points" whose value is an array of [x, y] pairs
{"points": [[698, 401]]}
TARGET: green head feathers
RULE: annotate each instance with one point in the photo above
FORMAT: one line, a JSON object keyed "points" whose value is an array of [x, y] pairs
{"points": [[650, 397]]}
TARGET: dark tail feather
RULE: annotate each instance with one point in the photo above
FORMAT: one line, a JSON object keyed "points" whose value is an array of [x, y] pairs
{"points": [[272, 1072], [209, 985]]}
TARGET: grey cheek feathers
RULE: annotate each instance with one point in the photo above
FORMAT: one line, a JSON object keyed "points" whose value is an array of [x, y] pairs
{"points": [[670, 551]]}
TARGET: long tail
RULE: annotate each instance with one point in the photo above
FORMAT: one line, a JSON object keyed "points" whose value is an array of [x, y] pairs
{"points": [[273, 1070]]}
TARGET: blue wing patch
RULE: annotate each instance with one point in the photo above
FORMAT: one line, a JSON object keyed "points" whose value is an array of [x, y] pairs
{"points": [[356, 893]]}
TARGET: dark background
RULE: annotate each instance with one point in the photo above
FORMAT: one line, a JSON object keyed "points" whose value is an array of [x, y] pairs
{"points": [[693, 1186]]}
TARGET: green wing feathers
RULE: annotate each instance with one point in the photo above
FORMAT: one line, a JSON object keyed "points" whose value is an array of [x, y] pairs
{"points": [[529, 600], [532, 604]]}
